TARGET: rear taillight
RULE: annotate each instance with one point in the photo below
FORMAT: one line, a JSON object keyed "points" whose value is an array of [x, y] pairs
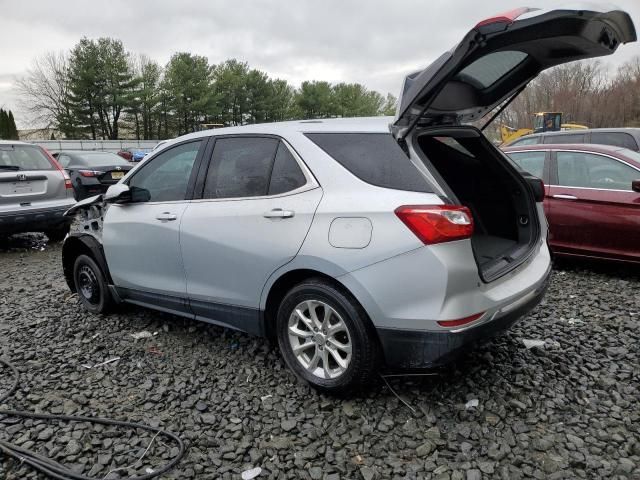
{"points": [[437, 223], [57, 166], [506, 17], [90, 173]]}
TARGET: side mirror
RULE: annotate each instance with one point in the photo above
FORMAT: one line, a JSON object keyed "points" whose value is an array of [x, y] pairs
{"points": [[118, 193], [635, 185], [122, 193]]}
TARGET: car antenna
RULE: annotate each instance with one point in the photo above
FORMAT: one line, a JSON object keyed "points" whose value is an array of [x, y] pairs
{"points": [[503, 106]]}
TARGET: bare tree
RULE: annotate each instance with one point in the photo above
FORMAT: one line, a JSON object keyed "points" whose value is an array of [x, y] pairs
{"points": [[45, 92]]}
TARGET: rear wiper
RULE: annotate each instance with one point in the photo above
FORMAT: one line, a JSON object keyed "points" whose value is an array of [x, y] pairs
{"points": [[9, 167]]}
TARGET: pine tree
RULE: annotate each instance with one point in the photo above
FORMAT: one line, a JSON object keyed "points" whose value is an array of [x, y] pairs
{"points": [[12, 129], [4, 125]]}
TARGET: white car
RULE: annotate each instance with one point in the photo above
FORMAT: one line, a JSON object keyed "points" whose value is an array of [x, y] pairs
{"points": [[351, 245]]}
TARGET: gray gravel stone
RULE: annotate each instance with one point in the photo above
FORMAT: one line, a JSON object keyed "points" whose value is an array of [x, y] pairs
{"points": [[568, 410], [474, 474]]}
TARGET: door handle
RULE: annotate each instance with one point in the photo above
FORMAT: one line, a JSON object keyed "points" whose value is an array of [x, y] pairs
{"points": [[166, 217], [565, 197], [279, 213]]}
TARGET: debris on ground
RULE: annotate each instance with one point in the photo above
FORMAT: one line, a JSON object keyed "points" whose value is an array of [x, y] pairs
{"points": [[473, 403], [142, 334], [251, 474], [88, 367], [530, 343]]}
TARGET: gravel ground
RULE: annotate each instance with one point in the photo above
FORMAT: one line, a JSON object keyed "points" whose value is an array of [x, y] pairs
{"points": [[567, 409]]}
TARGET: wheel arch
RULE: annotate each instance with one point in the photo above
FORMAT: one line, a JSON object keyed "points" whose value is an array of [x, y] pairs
{"points": [[82, 244], [278, 287]]}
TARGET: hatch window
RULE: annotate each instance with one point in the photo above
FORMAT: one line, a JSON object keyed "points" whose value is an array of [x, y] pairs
{"points": [[487, 70]]}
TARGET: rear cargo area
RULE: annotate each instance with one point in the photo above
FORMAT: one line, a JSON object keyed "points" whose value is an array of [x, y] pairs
{"points": [[475, 175]]}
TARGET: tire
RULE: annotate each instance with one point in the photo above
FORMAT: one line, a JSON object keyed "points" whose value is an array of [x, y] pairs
{"points": [[351, 327], [57, 234], [91, 286]]}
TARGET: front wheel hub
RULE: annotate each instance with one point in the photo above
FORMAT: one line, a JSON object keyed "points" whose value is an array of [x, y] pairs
{"points": [[88, 285]]}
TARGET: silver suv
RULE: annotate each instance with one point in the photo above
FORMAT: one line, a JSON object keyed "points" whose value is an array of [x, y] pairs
{"points": [[34, 191], [350, 245]]}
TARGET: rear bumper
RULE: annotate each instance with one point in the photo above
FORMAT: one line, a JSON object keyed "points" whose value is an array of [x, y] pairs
{"points": [[424, 349], [33, 220]]}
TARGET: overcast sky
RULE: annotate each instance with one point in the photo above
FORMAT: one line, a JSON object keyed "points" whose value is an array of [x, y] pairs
{"points": [[369, 41]]}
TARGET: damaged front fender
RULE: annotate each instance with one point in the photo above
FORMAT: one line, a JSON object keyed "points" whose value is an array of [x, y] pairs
{"points": [[85, 236], [87, 217]]}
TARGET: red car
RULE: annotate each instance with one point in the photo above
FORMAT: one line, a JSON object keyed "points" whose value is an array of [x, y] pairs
{"points": [[126, 153], [592, 198]]}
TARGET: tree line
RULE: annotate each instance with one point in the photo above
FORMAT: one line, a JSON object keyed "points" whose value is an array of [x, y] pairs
{"points": [[8, 129], [99, 90], [586, 92]]}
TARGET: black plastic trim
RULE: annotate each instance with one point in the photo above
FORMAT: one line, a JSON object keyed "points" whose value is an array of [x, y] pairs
{"points": [[30, 220], [27, 179], [245, 319]]}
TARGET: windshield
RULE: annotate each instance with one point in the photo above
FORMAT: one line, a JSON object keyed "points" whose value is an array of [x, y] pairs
{"points": [[23, 157], [102, 158]]}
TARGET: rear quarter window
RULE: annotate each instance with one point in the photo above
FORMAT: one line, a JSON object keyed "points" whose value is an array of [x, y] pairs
{"points": [[375, 158], [526, 141], [618, 139], [531, 162], [573, 138]]}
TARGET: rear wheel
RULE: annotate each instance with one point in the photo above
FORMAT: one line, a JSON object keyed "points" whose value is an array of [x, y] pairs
{"points": [[91, 285], [326, 339]]}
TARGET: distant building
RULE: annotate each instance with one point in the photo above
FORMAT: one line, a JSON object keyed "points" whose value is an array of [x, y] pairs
{"points": [[39, 134]]}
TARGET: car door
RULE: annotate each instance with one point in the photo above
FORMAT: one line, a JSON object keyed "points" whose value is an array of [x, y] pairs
{"points": [[141, 238], [592, 209], [258, 200]]}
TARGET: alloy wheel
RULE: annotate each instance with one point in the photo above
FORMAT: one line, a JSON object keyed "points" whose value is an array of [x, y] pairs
{"points": [[320, 339]]}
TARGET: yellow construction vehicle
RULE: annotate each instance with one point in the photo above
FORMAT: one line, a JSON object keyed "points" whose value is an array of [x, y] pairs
{"points": [[542, 122]]}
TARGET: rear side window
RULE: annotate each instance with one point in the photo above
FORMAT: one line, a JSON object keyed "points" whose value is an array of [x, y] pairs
{"points": [[532, 162], [240, 167], [286, 174], [587, 170], [102, 158], [573, 138], [526, 141], [23, 157], [618, 139], [375, 158], [64, 160]]}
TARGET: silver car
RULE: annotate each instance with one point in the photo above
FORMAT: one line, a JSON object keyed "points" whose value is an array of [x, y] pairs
{"points": [[34, 191], [352, 246]]}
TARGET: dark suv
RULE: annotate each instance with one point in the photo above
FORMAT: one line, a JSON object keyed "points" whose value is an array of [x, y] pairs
{"points": [[618, 137]]}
